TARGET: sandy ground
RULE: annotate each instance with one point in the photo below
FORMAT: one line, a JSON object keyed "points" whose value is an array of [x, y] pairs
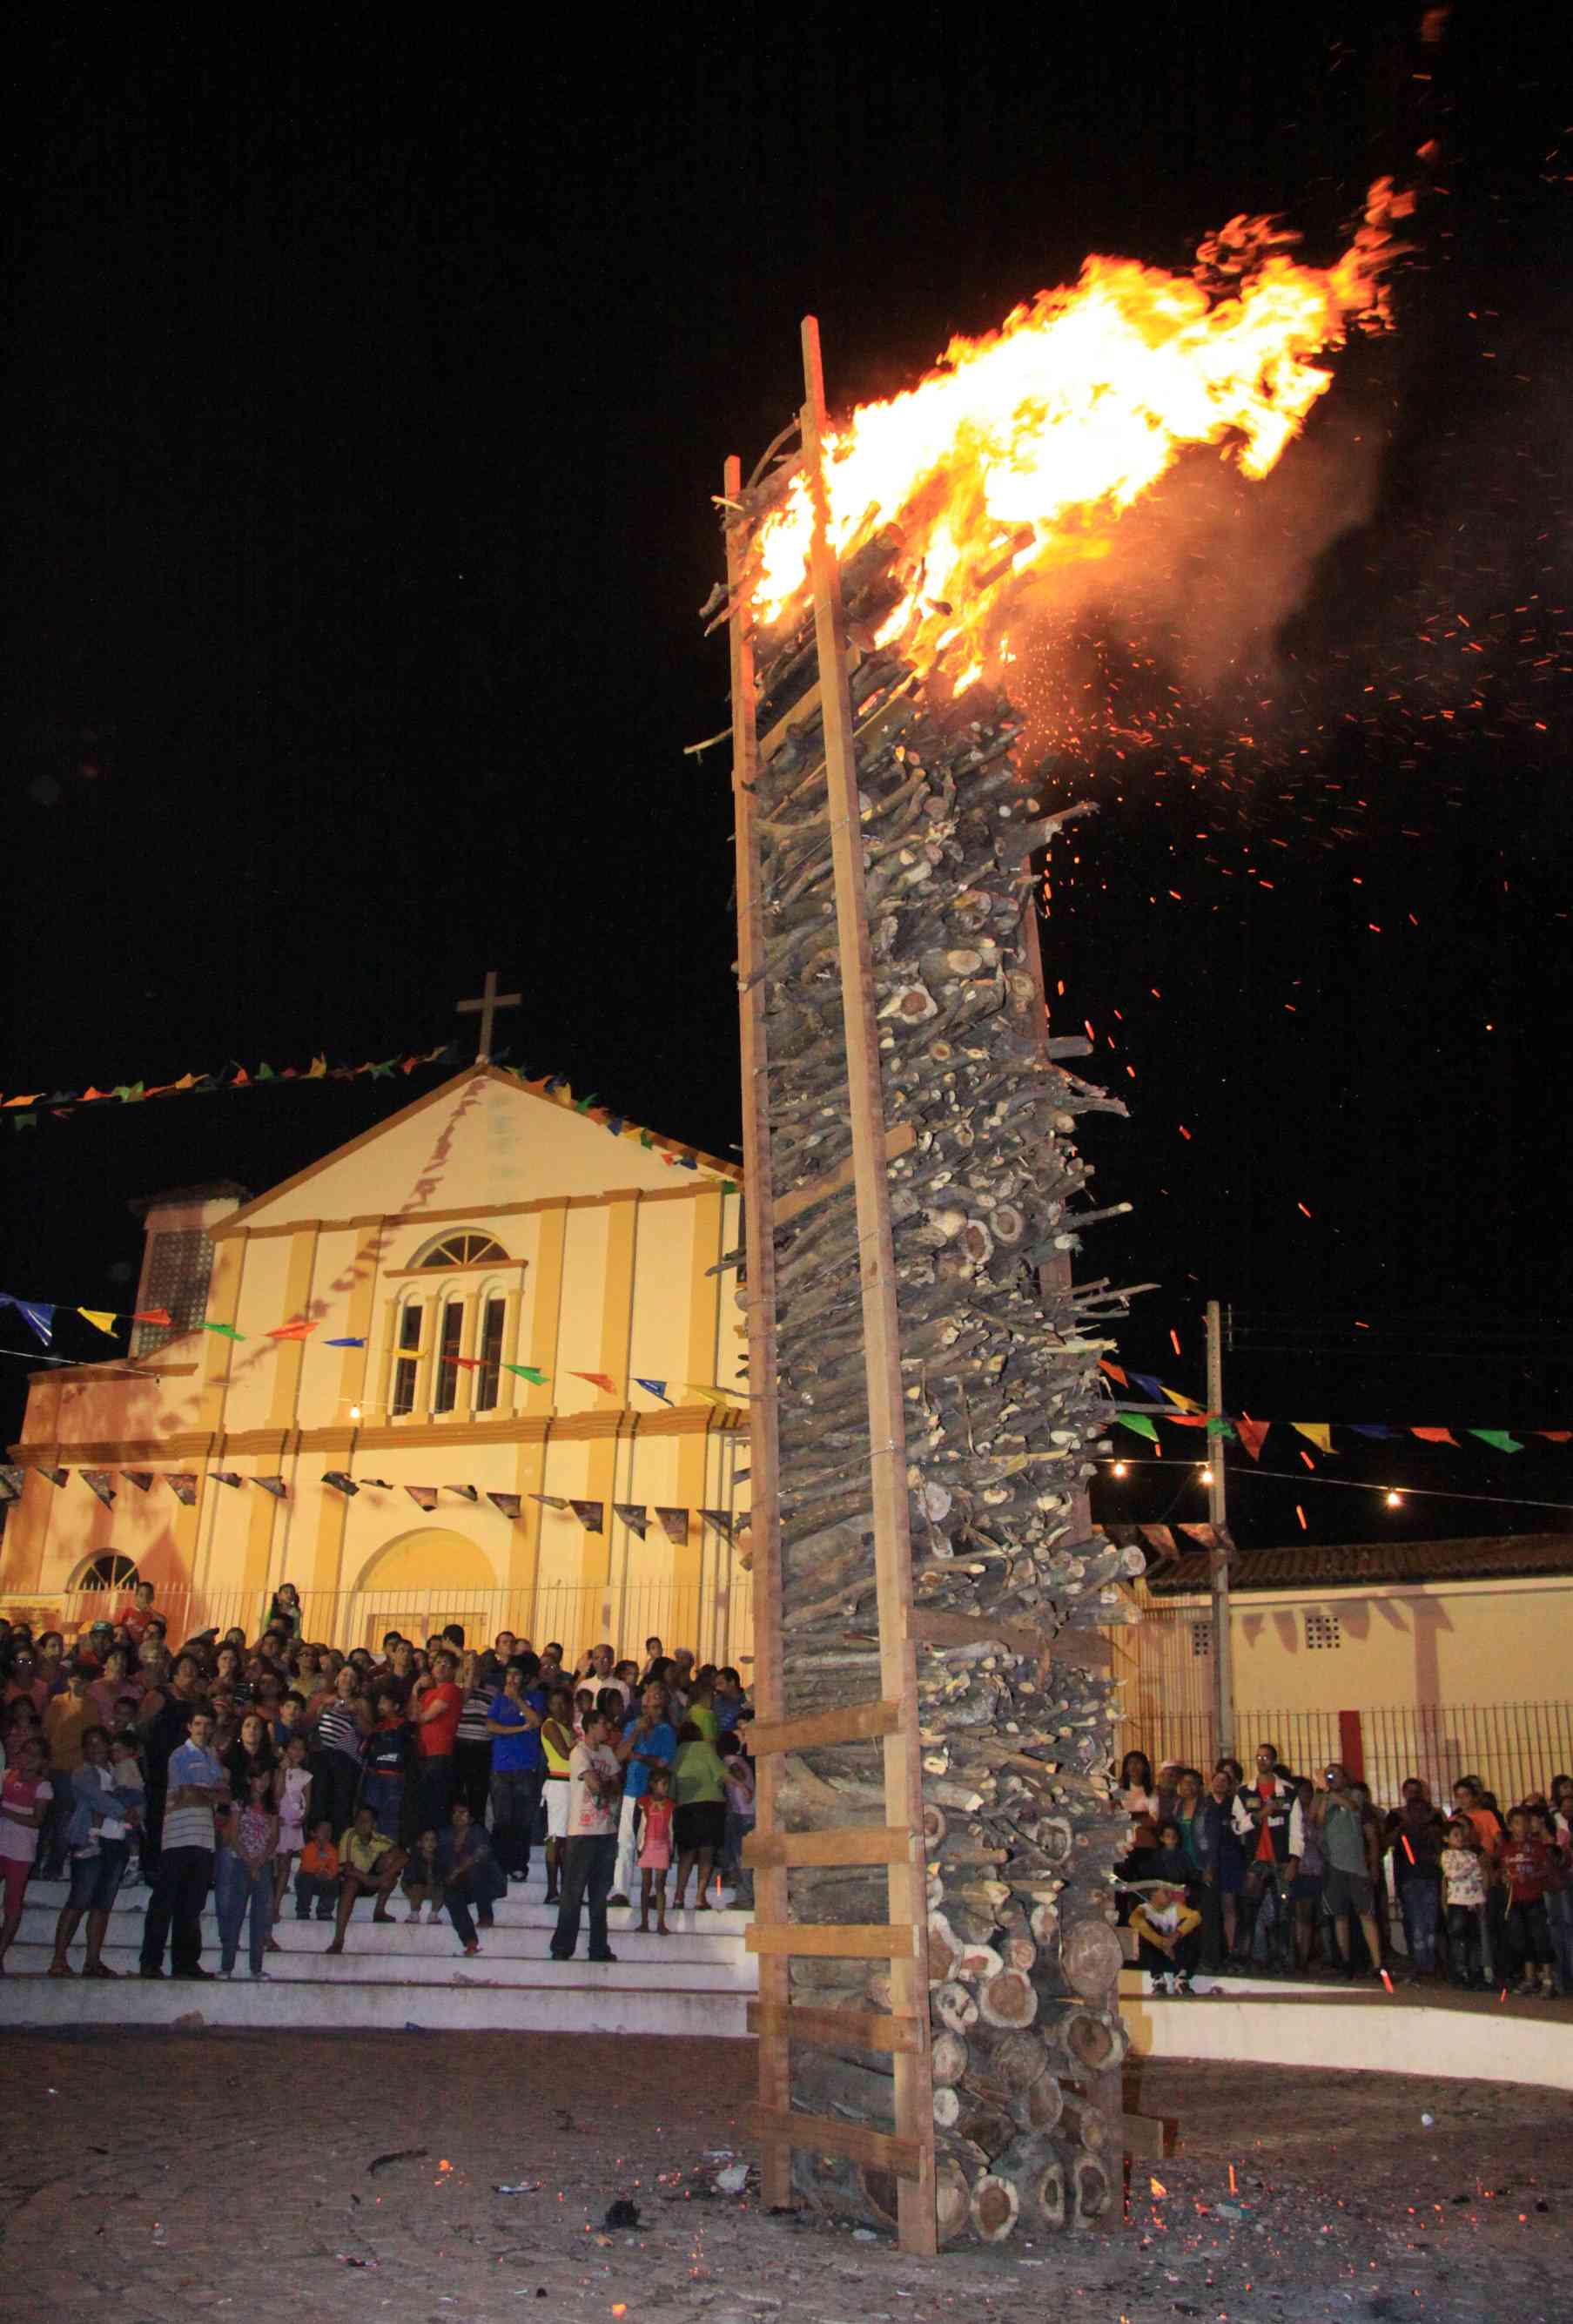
{"points": [[212, 2174]]}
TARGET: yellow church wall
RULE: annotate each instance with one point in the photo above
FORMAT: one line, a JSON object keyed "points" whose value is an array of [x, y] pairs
{"points": [[1485, 1642]]}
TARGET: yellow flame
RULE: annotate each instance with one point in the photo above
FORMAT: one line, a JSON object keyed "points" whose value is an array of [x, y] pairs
{"points": [[1021, 448]]}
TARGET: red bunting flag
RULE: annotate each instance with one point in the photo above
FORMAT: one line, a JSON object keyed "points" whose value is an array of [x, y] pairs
{"points": [[598, 1379], [1252, 1434], [160, 1315], [1436, 1435], [1114, 1371], [300, 1331]]}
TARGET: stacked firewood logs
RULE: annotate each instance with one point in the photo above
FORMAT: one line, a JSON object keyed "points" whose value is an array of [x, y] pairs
{"points": [[1003, 1404]]}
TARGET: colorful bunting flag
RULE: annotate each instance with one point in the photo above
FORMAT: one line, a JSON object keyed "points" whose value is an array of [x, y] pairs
{"points": [[1113, 1372], [510, 1504], [1252, 1434], [1185, 1403], [464, 1363], [1370, 1428], [273, 1485], [1498, 1437], [674, 1524], [1436, 1435], [342, 1483], [1152, 1388], [301, 1330], [141, 1478], [635, 1515], [224, 1331], [159, 1315], [721, 1520], [11, 1483], [39, 1316], [182, 1483], [344, 1343], [423, 1496], [1138, 1424], [101, 1318], [227, 1477], [1158, 1537], [1205, 1534], [465, 1492], [549, 1501], [597, 1379], [657, 1388], [1556, 1435], [1315, 1431], [1218, 1425], [529, 1372], [591, 1514], [97, 1481], [56, 1476]]}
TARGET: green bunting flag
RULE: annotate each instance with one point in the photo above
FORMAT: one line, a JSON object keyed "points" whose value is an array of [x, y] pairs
{"points": [[1138, 1423], [529, 1372], [224, 1331], [1499, 1437]]}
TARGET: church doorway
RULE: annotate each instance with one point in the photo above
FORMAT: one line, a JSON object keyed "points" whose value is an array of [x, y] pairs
{"points": [[419, 1583]]}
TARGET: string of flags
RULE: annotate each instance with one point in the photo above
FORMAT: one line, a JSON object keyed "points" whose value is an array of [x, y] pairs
{"points": [[1184, 1412], [24, 1111], [591, 1514]]}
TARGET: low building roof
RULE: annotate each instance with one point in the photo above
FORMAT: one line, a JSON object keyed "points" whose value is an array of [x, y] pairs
{"points": [[1312, 1565]]}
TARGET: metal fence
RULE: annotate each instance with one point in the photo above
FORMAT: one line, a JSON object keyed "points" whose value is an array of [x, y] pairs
{"points": [[1514, 1747], [717, 1623]]}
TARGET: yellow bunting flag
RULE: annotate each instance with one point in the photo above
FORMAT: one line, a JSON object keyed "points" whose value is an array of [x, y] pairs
{"points": [[1182, 1403], [718, 1395], [1315, 1431], [101, 1318]]}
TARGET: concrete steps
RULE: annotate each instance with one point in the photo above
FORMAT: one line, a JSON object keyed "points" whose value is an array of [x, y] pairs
{"points": [[697, 1980]]}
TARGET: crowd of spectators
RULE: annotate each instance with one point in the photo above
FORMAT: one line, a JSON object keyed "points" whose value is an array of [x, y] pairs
{"points": [[430, 1772], [1283, 1874]]}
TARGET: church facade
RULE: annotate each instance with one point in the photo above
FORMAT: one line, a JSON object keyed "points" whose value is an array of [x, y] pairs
{"points": [[482, 1364]]}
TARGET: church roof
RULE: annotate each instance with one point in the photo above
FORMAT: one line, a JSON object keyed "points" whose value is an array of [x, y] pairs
{"points": [[552, 1089]]}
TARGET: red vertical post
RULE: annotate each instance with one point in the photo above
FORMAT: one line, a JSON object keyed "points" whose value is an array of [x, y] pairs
{"points": [[1352, 1746]]}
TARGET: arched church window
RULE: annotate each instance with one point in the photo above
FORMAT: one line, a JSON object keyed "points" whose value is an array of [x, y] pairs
{"points": [[492, 1312], [108, 1571], [464, 1250], [406, 1360]]}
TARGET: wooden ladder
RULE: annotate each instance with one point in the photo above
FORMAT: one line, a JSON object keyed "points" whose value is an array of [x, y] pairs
{"points": [[907, 2150]]}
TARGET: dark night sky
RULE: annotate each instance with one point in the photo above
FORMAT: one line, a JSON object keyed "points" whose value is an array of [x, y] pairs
{"points": [[363, 406]]}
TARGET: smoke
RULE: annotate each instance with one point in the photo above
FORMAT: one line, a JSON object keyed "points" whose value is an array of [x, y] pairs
{"points": [[1175, 622]]}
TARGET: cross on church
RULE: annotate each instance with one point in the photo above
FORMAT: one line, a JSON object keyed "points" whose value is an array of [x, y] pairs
{"points": [[489, 1003]]}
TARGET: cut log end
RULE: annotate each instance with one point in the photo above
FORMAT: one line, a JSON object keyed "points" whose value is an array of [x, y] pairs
{"points": [[995, 2208], [1009, 1999]]}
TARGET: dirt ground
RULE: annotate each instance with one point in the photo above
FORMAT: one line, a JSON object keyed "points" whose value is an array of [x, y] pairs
{"points": [[208, 2174]]}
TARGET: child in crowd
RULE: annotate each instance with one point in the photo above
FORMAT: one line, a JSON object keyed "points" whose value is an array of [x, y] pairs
{"points": [[294, 1796], [1528, 1862], [25, 1800], [387, 1763], [1168, 1932], [1465, 1873], [244, 1874], [584, 1704], [699, 1780], [317, 1882], [728, 1699], [654, 1855], [738, 1775], [558, 1735], [423, 1882]]}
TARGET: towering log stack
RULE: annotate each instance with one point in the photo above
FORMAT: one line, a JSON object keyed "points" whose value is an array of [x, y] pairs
{"points": [[1002, 1404]]}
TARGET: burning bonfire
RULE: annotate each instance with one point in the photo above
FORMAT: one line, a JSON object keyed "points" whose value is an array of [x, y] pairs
{"points": [[1020, 449]]}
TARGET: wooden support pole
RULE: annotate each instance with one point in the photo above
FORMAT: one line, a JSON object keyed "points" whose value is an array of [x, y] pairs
{"points": [[914, 2086], [771, 1900]]}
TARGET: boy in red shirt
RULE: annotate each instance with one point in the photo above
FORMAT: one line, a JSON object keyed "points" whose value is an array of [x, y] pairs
{"points": [[1529, 1863], [436, 1718]]}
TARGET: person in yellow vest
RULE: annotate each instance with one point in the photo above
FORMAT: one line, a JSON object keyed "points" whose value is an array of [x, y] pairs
{"points": [[557, 1741]]}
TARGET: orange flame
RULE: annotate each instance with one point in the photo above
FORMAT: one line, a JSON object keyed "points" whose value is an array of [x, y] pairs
{"points": [[1020, 448]]}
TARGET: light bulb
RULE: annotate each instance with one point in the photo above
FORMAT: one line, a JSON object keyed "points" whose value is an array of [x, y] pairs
{"points": [[1119, 1468], [1394, 1501], [355, 1412], [1205, 1475]]}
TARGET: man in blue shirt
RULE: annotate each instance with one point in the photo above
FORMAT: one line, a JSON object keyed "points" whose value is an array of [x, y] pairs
{"points": [[650, 1741], [518, 1764]]}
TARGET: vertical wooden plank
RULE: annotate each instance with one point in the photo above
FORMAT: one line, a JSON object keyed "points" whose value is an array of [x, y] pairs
{"points": [[914, 2086], [769, 1886]]}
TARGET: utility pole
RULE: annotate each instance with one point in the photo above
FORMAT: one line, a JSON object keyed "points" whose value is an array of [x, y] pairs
{"points": [[1223, 1661]]}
